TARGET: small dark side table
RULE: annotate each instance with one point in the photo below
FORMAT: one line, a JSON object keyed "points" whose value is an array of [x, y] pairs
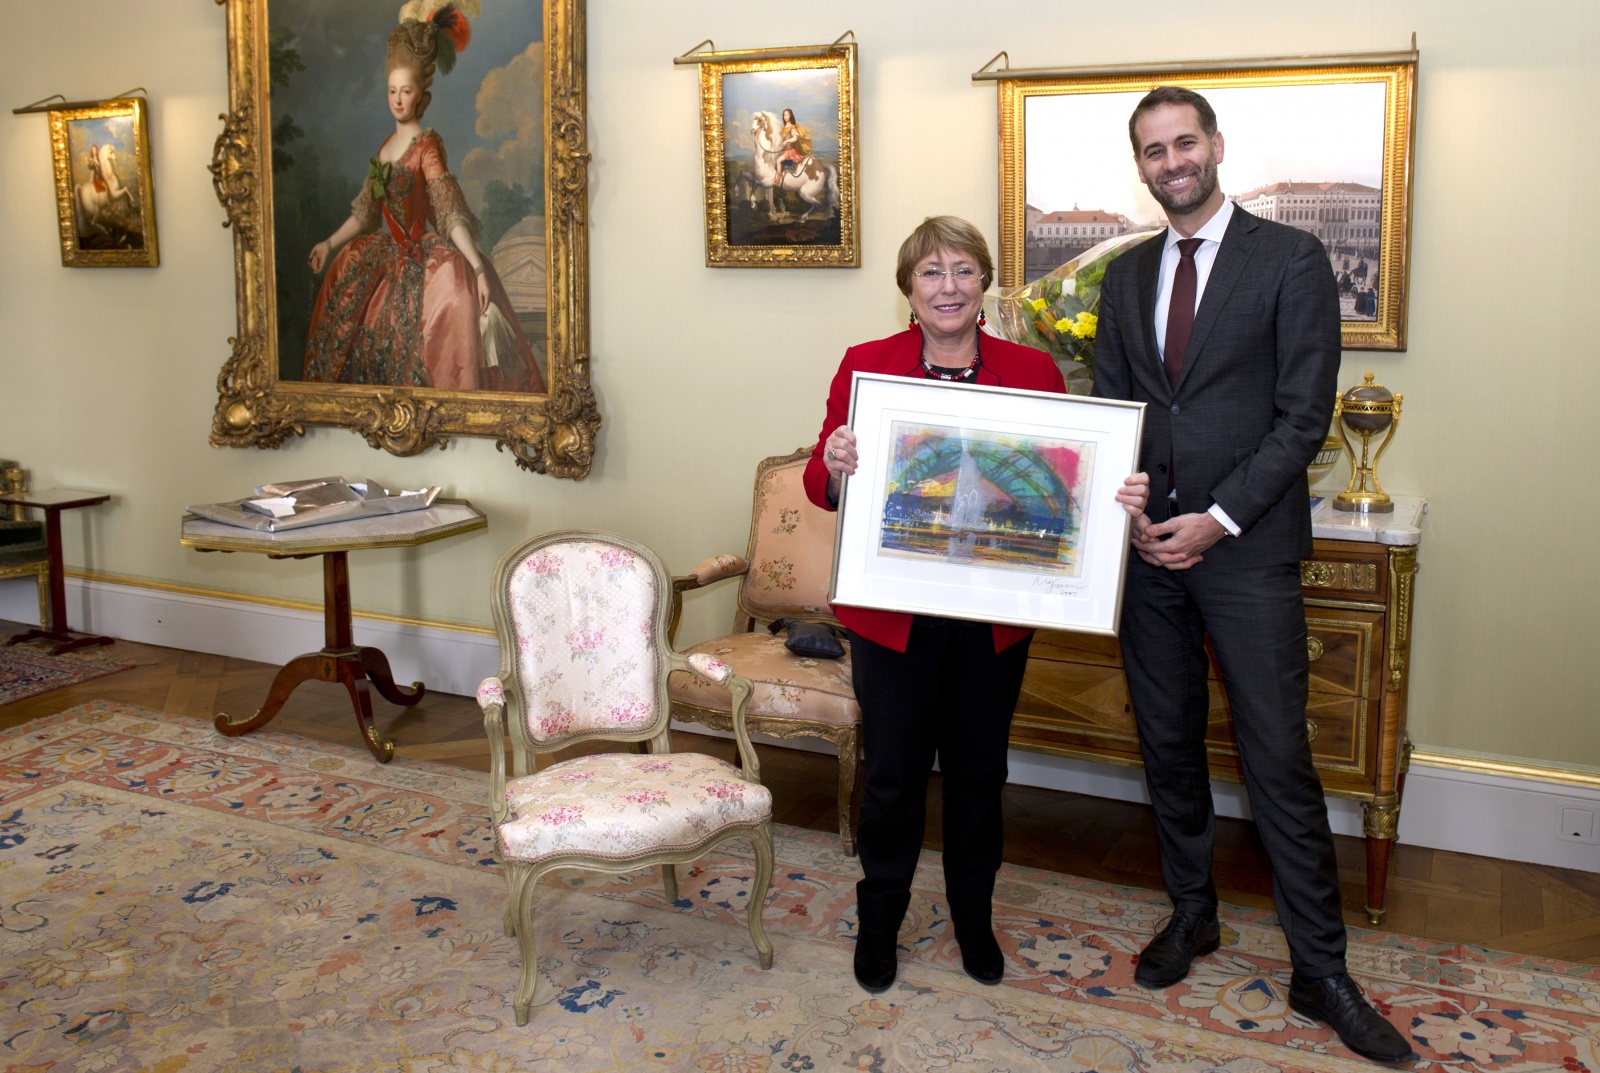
{"points": [[53, 501]]}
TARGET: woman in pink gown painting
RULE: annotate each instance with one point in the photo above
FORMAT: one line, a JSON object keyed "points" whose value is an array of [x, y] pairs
{"points": [[409, 301]]}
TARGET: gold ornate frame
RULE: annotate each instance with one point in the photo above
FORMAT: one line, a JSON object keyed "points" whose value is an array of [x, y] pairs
{"points": [[719, 253], [1398, 77], [552, 433], [72, 255]]}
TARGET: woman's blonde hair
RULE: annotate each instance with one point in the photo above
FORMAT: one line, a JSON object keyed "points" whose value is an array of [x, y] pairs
{"points": [[942, 233]]}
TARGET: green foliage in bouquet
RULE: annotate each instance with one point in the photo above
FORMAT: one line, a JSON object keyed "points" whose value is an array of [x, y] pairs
{"points": [[1059, 312]]}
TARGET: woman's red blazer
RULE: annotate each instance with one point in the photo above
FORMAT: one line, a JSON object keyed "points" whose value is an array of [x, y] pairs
{"points": [[1004, 364]]}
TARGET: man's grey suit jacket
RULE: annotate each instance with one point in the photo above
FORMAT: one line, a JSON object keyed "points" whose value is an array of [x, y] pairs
{"points": [[1257, 388]]}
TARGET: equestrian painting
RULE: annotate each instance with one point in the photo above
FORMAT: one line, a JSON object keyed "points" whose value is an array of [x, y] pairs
{"points": [[103, 190], [780, 167]]}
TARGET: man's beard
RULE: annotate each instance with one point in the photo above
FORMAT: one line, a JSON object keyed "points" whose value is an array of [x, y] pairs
{"points": [[1205, 185]]}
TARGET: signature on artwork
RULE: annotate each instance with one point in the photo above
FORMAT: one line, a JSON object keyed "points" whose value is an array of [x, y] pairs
{"points": [[1055, 586]]}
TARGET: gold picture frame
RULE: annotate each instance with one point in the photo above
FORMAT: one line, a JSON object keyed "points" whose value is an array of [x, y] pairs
{"points": [[808, 218], [1362, 116], [552, 432], [105, 200]]}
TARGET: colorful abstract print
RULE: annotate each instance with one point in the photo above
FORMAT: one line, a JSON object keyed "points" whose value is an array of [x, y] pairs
{"points": [[986, 498]]}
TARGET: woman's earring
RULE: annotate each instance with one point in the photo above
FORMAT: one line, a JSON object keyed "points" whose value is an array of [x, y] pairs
{"points": [[913, 322], [983, 321]]}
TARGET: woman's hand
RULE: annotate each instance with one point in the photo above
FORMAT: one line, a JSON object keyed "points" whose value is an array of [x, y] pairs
{"points": [[480, 281], [319, 255], [839, 456], [839, 452]]}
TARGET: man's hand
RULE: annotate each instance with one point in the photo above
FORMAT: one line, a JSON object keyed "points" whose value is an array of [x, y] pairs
{"points": [[1134, 495], [1180, 543]]}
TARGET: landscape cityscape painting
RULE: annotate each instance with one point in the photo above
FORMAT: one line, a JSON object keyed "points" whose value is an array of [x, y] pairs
{"points": [[1325, 148], [981, 498]]}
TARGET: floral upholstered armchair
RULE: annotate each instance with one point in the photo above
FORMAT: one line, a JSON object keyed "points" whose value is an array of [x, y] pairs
{"points": [[582, 621], [784, 574], [23, 550]]}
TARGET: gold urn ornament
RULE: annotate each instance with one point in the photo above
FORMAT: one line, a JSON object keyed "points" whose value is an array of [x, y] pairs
{"points": [[1366, 409]]}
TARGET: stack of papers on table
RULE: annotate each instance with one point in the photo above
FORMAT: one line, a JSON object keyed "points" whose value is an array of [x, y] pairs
{"points": [[276, 507]]}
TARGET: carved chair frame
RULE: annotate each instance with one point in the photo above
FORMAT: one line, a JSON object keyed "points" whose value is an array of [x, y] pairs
{"points": [[11, 481], [846, 739], [502, 719]]}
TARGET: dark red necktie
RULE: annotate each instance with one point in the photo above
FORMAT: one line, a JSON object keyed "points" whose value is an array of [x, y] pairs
{"points": [[1180, 311]]}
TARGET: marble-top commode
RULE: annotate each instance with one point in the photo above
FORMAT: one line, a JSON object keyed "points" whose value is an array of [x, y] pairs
{"points": [[1402, 526]]}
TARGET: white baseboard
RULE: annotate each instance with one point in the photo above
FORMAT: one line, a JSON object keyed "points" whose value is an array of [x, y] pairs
{"points": [[1513, 817], [449, 661]]}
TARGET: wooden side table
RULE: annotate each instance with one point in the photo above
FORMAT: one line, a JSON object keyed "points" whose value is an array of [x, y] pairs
{"points": [[53, 501], [340, 658]]}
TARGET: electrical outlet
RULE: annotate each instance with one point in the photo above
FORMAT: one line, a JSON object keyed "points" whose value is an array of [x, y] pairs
{"points": [[161, 614], [1577, 825]]}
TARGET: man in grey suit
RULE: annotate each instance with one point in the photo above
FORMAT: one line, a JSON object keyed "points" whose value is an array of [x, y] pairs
{"points": [[1227, 326]]}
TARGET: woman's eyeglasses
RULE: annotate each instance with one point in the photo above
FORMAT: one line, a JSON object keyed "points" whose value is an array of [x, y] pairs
{"points": [[931, 276]]}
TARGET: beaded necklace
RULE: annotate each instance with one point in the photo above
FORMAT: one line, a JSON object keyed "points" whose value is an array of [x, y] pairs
{"points": [[939, 372]]}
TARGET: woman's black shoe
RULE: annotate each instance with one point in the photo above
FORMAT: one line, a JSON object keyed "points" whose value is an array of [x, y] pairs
{"points": [[875, 961], [980, 956]]}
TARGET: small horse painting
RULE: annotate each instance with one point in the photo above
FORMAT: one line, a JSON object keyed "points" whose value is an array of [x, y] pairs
{"points": [[815, 183], [102, 181], [781, 162], [103, 200]]}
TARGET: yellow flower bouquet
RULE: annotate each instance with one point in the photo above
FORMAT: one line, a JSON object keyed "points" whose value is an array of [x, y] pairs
{"points": [[1059, 312]]}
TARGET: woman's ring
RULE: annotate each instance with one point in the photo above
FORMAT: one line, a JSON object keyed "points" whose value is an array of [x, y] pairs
{"points": [[831, 455]]}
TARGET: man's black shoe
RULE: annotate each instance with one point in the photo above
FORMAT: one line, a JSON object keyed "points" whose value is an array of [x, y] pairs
{"points": [[980, 955], [1166, 960], [1338, 1001], [875, 960]]}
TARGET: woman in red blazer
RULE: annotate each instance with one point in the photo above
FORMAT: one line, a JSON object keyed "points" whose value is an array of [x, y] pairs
{"points": [[933, 688]]}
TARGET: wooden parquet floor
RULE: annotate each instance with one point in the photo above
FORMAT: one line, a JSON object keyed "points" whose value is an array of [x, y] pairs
{"points": [[1448, 897]]}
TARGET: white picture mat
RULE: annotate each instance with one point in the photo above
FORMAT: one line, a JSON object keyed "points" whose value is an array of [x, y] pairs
{"points": [[865, 577]]}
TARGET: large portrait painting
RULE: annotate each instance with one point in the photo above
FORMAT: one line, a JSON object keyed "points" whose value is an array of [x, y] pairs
{"points": [[779, 140], [986, 503], [104, 197], [1326, 149], [407, 184]]}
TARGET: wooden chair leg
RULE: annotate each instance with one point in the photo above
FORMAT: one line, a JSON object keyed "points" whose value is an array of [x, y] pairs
{"points": [[524, 891], [849, 746], [762, 843], [669, 882]]}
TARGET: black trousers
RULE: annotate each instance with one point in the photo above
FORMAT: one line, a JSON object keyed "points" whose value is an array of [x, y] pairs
{"points": [[950, 695], [1256, 620]]}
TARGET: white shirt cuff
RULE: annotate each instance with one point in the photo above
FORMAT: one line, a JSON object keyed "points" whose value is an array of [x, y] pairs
{"points": [[1221, 515]]}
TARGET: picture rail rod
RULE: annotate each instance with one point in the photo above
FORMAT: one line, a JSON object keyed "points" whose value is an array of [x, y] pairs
{"points": [[1178, 67], [53, 103], [695, 56]]}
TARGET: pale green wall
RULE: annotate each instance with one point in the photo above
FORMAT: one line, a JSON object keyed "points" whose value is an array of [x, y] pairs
{"points": [[107, 376]]}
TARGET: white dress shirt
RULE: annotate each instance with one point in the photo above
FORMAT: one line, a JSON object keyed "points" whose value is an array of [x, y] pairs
{"points": [[1210, 236]]}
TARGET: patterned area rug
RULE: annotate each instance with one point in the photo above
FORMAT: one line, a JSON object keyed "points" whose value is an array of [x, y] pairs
{"points": [[179, 901], [26, 671]]}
